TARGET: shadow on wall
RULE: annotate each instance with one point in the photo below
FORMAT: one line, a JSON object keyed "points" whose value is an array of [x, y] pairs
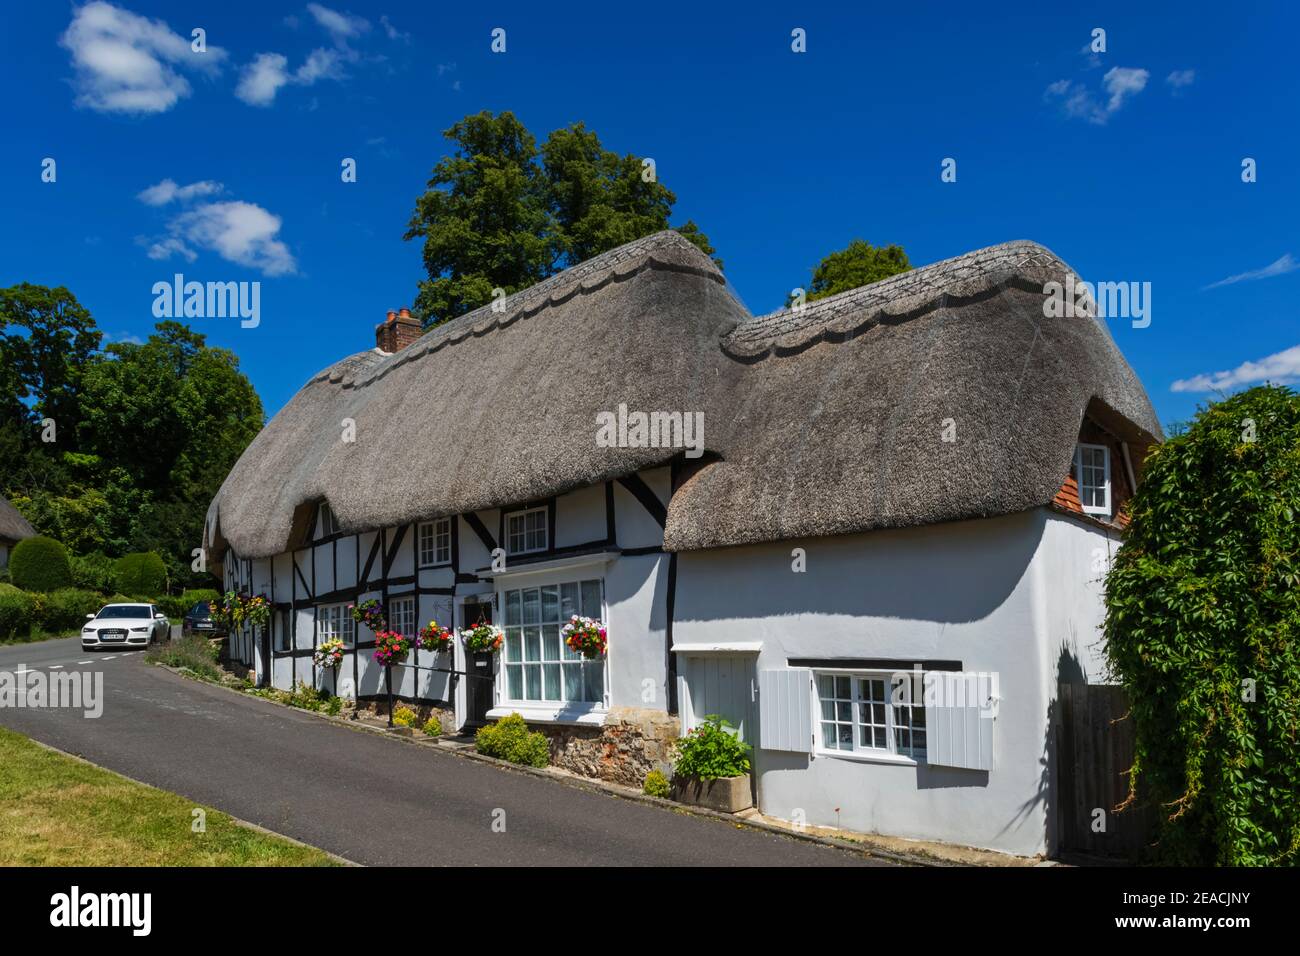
{"points": [[952, 573]]}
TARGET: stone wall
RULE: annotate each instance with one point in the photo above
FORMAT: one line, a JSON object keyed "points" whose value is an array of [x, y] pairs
{"points": [[630, 744]]}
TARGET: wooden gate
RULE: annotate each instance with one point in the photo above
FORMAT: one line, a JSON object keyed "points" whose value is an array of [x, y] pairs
{"points": [[1094, 750]]}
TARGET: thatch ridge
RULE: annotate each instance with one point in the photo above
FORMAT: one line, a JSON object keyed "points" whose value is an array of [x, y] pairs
{"points": [[823, 421]]}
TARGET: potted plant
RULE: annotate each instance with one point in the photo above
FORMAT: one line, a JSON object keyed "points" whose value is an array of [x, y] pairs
{"points": [[329, 654], [482, 638], [257, 611], [434, 637], [391, 648], [712, 767], [586, 636], [371, 614]]}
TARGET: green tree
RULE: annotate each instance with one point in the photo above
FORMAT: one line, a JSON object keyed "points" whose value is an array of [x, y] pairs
{"points": [[500, 213], [856, 265], [48, 361], [1203, 631]]}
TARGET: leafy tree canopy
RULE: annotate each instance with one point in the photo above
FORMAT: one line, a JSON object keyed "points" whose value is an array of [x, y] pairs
{"points": [[856, 265], [1203, 631], [145, 432], [500, 212]]}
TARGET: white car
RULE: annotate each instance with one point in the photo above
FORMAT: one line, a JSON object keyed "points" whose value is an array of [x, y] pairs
{"points": [[125, 625]]}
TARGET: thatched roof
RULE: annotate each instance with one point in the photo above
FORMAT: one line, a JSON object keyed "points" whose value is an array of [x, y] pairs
{"points": [[823, 422], [13, 526]]}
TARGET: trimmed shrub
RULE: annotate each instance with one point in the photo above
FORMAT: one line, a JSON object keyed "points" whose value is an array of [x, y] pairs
{"points": [[93, 572], [40, 564], [142, 573], [510, 739], [177, 606], [1202, 628], [17, 613], [66, 609], [432, 727], [656, 784]]}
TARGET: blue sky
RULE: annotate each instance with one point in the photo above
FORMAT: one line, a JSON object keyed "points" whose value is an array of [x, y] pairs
{"points": [[1127, 163]]}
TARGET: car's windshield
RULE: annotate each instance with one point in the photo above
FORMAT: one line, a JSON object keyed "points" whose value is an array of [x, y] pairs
{"points": [[201, 610], [125, 610]]}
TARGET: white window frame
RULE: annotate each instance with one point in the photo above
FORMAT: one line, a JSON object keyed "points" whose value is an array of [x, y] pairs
{"points": [[326, 523], [434, 542], [403, 623], [533, 707], [522, 516], [335, 620], [890, 753], [1106, 474]]}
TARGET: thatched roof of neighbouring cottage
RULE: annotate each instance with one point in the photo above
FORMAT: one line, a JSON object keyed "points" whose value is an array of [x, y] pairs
{"points": [[823, 422], [13, 526]]}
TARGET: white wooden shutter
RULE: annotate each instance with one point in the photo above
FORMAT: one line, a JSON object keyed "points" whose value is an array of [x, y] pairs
{"points": [[959, 716], [785, 709]]}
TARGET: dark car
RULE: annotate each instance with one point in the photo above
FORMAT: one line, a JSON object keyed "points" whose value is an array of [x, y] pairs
{"points": [[198, 620]]}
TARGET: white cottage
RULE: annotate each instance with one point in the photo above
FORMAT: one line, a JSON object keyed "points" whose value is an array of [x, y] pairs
{"points": [[878, 552]]}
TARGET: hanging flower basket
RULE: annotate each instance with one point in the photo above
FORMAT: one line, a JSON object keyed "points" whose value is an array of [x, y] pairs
{"points": [[482, 637], [434, 637], [371, 614], [391, 647], [257, 611], [328, 654], [586, 636]]}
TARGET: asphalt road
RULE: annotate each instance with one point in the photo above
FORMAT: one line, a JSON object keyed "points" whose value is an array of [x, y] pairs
{"points": [[371, 799]]}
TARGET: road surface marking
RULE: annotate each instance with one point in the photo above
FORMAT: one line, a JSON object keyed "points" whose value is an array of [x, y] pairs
{"points": [[85, 662], [55, 667]]}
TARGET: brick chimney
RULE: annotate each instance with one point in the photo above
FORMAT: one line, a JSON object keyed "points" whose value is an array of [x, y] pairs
{"points": [[398, 331]]}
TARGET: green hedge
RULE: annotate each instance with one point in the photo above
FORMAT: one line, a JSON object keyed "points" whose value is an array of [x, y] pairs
{"points": [[141, 573], [17, 609], [66, 609], [177, 606], [40, 564]]}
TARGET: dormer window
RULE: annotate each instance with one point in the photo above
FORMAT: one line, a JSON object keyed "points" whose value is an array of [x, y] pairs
{"points": [[326, 523], [1092, 472]]}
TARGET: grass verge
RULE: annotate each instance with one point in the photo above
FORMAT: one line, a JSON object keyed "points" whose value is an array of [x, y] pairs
{"points": [[57, 811]]}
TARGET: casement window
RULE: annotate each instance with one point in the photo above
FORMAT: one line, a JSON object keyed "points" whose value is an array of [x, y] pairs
{"points": [[326, 524], [871, 714], [1092, 472], [401, 616], [335, 621], [526, 531], [538, 665], [435, 543], [283, 633]]}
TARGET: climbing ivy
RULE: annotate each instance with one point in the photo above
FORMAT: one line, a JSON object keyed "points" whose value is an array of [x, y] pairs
{"points": [[1203, 630]]}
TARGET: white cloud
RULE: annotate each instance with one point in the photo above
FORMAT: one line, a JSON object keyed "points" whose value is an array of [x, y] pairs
{"points": [[392, 31], [1278, 268], [239, 232], [262, 79], [126, 63], [1180, 78], [320, 65], [166, 191], [1282, 368], [341, 26], [1120, 82]]}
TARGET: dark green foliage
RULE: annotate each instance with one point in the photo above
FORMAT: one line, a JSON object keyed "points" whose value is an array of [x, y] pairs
{"points": [[142, 574], [66, 609], [17, 613], [500, 213], [1203, 631], [93, 572], [712, 750], [510, 739], [856, 265], [40, 564], [177, 606]]}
